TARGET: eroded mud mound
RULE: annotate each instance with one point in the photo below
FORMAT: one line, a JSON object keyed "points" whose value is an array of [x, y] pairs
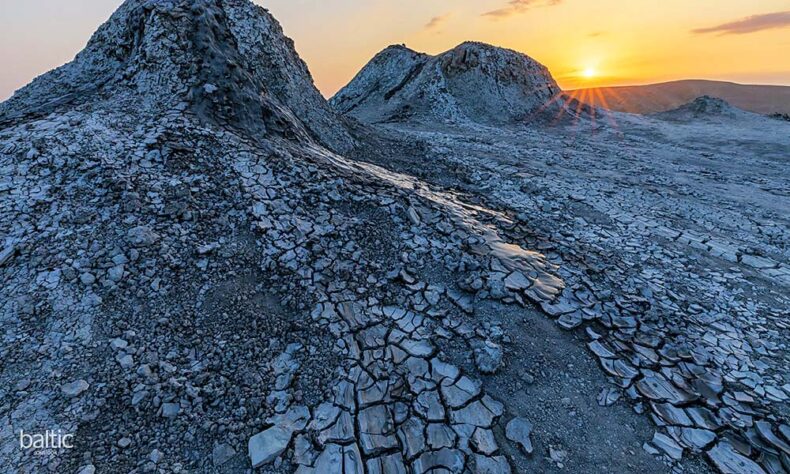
{"points": [[706, 108], [473, 82]]}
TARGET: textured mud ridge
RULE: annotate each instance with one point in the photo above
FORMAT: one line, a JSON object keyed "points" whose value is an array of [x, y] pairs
{"points": [[230, 57], [473, 82], [207, 269]]}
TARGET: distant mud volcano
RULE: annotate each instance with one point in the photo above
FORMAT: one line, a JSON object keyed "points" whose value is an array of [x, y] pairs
{"points": [[473, 82], [705, 108]]}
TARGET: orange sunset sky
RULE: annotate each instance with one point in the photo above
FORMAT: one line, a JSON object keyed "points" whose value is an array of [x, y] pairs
{"points": [[583, 42]]}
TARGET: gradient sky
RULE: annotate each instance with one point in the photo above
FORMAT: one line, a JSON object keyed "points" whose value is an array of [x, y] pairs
{"points": [[583, 42]]}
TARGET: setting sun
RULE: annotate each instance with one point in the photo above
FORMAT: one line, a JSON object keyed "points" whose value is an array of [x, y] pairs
{"points": [[589, 73]]}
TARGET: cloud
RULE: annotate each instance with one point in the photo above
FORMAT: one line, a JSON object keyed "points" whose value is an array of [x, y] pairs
{"points": [[436, 21], [514, 7], [750, 24]]}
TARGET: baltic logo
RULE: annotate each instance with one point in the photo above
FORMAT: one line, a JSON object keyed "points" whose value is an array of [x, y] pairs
{"points": [[48, 441]]}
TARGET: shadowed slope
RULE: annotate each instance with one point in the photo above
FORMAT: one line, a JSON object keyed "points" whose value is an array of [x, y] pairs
{"points": [[225, 60]]}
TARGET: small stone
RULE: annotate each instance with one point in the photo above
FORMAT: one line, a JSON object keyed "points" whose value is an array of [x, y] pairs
{"points": [[145, 371], [87, 278], [116, 273], [527, 378], [75, 389], [49, 280], [139, 397], [119, 344], [156, 456], [142, 236], [124, 443], [222, 453], [558, 455], [125, 360], [87, 469], [171, 410], [207, 249], [518, 431], [488, 357]]}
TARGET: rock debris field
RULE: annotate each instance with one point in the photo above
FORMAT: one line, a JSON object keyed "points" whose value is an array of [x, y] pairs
{"points": [[449, 267]]}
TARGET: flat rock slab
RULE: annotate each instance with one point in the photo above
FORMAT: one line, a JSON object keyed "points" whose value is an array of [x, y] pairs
{"points": [[729, 461], [518, 431], [265, 446]]}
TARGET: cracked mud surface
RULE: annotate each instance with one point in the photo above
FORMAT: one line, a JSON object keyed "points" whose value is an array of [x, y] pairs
{"points": [[692, 263]]}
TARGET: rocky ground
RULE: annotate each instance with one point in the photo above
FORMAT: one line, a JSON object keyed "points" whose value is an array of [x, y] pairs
{"points": [[204, 269], [671, 238]]}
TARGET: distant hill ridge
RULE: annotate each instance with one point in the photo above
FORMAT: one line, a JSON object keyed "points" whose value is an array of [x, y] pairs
{"points": [[654, 98]]}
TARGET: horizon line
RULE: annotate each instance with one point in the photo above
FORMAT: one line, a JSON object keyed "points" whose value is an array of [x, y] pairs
{"points": [[672, 81]]}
